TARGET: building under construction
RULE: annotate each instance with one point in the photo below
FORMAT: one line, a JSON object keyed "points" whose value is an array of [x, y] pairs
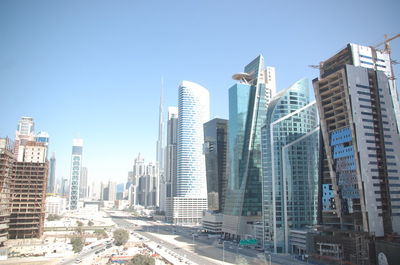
{"points": [[23, 183], [360, 188], [6, 166], [28, 206]]}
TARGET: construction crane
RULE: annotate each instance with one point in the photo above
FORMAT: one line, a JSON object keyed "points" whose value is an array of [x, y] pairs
{"points": [[386, 42], [388, 51]]}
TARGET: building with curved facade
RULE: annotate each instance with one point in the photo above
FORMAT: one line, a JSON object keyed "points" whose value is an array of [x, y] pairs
{"points": [[191, 188], [290, 155]]}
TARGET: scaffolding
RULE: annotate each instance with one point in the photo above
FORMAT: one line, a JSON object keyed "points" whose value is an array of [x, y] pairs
{"points": [[6, 163], [28, 196]]}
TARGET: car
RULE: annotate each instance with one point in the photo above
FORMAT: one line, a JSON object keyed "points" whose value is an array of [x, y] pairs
{"points": [[77, 261]]}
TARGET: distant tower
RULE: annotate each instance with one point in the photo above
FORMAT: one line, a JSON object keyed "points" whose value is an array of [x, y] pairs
{"points": [[170, 160], [160, 149], [83, 186], [191, 186], [52, 174], [76, 168], [25, 132]]}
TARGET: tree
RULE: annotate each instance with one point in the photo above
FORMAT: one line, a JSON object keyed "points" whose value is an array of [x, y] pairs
{"points": [[100, 233], [90, 223], [142, 260], [79, 223], [121, 236], [77, 244], [53, 217]]}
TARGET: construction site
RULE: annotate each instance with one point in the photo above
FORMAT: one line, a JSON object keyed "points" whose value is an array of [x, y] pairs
{"points": [[6, 163], [23, 184]]}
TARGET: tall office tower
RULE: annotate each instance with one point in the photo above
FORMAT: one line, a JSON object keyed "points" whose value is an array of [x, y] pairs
{"points": [[76, 168], [191, 187], [130, 177], [139, 167], [160, 150], [216, 150], [64, 189], [290, 155], [120, 191], [152, 173], [28, 186], [170, 161], [139, 170], [6, 175], [83, 183], [248, 102], [51, 187], [357, 107], [112, 191], [25, 132]]}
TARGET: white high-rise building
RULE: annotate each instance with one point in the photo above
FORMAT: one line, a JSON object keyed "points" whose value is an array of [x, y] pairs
{"points": [[191, 188], [76, 168], [25, 133]]}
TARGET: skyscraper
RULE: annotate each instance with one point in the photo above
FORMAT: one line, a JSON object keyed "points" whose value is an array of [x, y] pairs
{"points": [[191, 190], [290, 149], [25, 132], [248, 102], [215, 151], [170, 160], [112, 191], [76, 168], [29, 186], [358, 108], [160, 150], [52, 175]]}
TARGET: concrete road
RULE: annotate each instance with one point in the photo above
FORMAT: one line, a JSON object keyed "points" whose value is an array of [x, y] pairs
{"points": [[201, 245]]}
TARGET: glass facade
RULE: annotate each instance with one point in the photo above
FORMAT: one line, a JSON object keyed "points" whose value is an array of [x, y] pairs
{"points": [[191, 185], [290, 149], [248, 101], [215, 150]]}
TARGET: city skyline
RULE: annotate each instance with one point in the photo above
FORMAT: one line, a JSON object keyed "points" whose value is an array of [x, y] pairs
{"points": [[80, 70]]}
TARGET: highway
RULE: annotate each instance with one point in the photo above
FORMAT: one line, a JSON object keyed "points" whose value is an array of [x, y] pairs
{"points": [[202, 246]]}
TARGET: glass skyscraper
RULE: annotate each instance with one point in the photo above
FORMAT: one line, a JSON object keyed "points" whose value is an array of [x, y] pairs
{"points": [[191, 188], [290, 148], [215, 150], [248, 101], [170, 160]]}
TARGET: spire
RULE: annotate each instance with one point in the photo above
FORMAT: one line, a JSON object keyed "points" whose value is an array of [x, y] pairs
{"points": [[159, 154]]}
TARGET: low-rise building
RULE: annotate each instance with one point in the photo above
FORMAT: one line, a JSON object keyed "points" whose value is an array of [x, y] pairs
{"points": [[212, 222]]}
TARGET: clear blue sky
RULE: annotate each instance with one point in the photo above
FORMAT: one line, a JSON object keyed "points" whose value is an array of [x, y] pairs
{"points": [[92, 69]]}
